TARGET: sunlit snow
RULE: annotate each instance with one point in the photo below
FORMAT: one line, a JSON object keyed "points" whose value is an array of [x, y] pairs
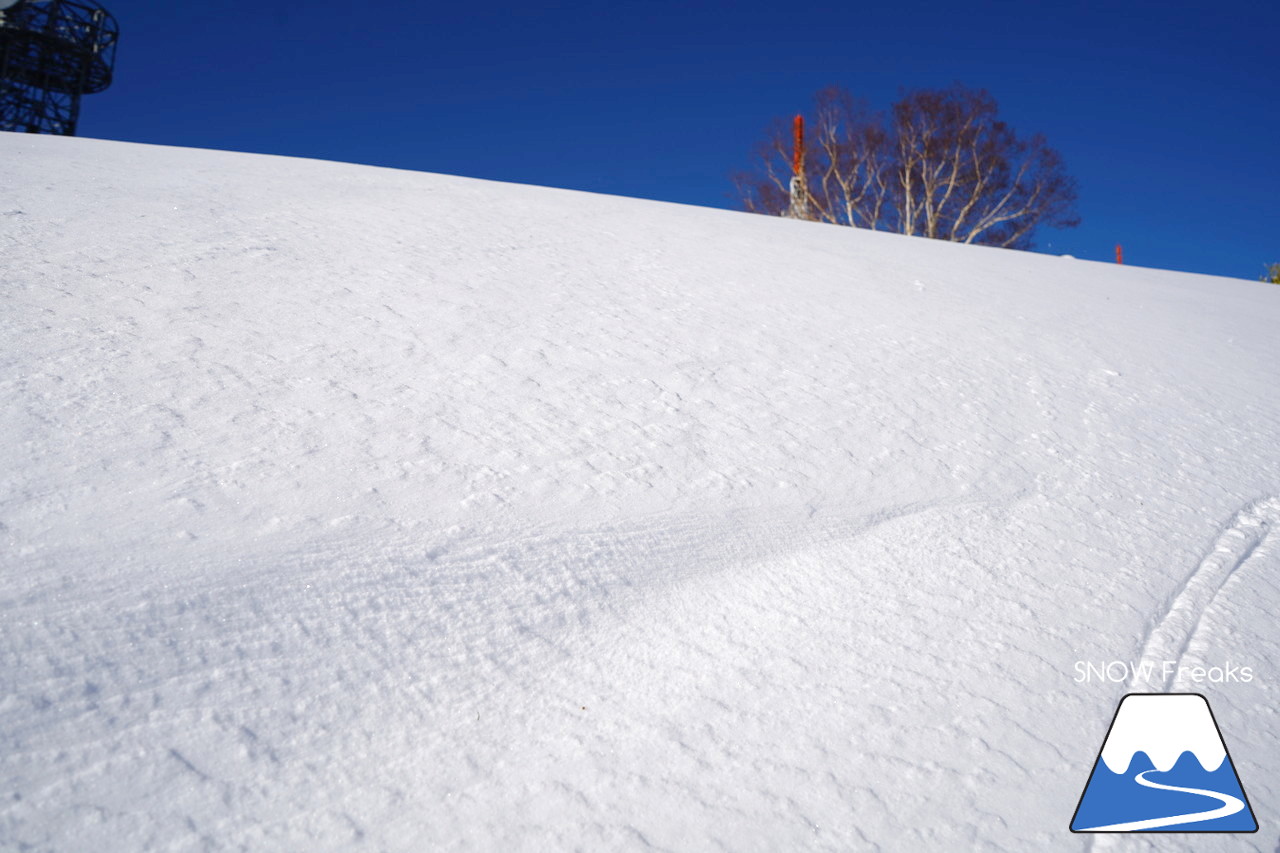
{"points": [[347, 508]]}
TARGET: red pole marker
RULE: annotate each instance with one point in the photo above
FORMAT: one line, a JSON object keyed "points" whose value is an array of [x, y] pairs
{"points": [[797, 153], [799, 207], [1119, 254]]}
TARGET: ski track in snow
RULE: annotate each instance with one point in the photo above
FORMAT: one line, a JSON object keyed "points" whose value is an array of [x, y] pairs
{"points": [[517, 660], [1244, 538], [1173, 632]]}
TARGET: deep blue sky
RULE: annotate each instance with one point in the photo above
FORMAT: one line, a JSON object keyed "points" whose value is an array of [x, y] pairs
{"points": [[1168, 114]]}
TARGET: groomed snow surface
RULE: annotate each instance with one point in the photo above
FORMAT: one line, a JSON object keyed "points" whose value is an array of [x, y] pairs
{"points": [[348, 508]]}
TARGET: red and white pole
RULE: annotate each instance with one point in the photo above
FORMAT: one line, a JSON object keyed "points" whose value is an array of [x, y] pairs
{"points": [[799, 208]]}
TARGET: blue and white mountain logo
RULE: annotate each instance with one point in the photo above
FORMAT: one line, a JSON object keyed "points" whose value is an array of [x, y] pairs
{"points": [[1164, 768]]}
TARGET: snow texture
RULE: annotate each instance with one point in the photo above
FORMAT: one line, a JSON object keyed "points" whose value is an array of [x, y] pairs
{"points": [[358, 509]]}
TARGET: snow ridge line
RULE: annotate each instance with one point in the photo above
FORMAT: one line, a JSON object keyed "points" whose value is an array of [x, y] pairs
{"points": [[1170, 636]]}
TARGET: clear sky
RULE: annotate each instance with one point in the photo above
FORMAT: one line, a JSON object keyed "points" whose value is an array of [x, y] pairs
{"points": [[1167, 113]]}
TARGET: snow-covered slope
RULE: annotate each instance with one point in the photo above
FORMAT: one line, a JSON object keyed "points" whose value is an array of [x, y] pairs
{"points": [[351, 508]]}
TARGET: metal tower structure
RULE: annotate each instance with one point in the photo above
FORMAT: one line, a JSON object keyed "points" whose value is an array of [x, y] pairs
{"points": [[51, 53]]}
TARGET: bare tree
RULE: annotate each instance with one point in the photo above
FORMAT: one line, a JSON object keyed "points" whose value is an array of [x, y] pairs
{"points": [[844, 166], [848, 181], [767, 190], [941, 165]]}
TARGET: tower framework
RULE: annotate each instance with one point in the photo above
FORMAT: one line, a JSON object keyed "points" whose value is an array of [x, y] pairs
{"points": [[51, 53]]}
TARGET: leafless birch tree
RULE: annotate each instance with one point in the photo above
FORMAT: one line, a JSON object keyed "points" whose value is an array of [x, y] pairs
{"points": [[940, 165]]}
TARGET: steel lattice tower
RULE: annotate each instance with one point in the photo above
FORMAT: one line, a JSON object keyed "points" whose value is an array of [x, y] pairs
{"points": [[51, 53]]}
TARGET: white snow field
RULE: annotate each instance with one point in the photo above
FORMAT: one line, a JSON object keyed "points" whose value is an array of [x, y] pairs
{"points": [[348, 508]]}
